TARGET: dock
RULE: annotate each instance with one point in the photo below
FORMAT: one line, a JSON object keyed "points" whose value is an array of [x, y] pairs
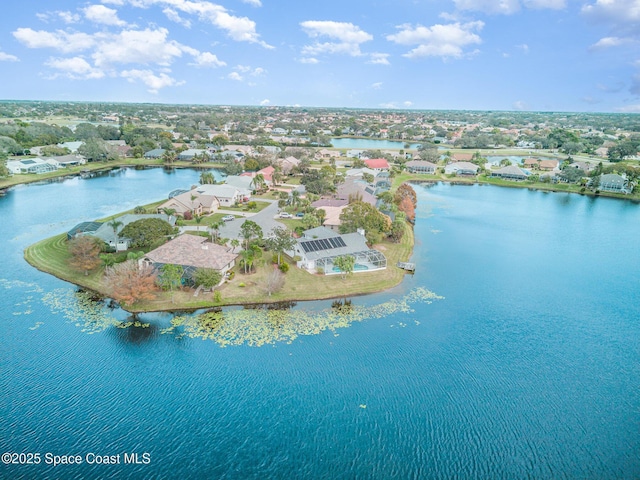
{"points": [[406, 266]]}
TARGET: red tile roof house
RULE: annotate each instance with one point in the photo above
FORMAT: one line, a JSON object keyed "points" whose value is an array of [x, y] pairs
{"points": [[191, 252], [532, 163], [377, 164]]}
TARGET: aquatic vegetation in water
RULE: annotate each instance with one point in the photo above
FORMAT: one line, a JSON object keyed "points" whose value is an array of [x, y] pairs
{"points": [[82, 308], [257, 327], [28, 288]]}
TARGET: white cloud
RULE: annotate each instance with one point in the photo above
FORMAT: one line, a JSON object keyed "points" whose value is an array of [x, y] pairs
{"points": [[520, 105], [265, 102], [103, 15], [609, 42], [65, 16], [207, 59], [75, 68], [379, 58], [508, 7], [255, 3], [175, 17], [407, 103], [137, 46], [438, 40], [309, 60], [151, 80], [5, 57], [629, 109], [241, 29], [613, 11], [541, 4], [389, 105], [235, 76], [504, 7], [376, 85], [524, 47], [349, 38], [58, 40]]}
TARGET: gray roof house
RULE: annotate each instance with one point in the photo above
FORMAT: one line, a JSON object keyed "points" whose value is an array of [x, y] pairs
{"points": [[461, 168], [612, 182], [420, 166], [511, 172], [319, 247], [155, 153]]}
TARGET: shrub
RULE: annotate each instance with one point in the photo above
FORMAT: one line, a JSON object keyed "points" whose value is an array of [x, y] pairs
{"points": [[274, 258], [217, 296], [187, 215], [242, 284], [284, 267]]}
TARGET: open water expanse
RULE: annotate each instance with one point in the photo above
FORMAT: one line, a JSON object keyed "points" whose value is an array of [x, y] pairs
{"points": [[529, 367]]}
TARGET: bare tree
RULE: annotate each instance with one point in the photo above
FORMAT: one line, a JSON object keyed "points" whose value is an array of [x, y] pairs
{"points": [[274, 281], [129, 283]]}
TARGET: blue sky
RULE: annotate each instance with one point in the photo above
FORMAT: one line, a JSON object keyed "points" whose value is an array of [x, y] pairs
{"points": [[542, 55]]}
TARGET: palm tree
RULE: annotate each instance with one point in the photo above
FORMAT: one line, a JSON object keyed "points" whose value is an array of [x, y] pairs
{"points": [[259, 182], [115, 224], [215, 230], [198, 219], [235, 243], [169, 156], [207, 178], [295, 198]]}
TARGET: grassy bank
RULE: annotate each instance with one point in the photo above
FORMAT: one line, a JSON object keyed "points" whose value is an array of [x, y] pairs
{"points": [[51, 256], [549, 187], [95, 167]]}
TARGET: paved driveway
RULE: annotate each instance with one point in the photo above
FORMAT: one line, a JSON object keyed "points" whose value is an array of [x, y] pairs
{"points": [[265, 218]]}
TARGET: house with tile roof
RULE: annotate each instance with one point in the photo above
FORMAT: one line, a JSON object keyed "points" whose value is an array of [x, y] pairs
{"points": [[191, 252], [377, 164]]}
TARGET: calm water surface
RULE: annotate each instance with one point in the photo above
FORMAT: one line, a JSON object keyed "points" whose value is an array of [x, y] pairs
{"points": [[529, 368]]}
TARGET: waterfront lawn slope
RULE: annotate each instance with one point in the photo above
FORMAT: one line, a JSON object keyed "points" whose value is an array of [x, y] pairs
{"points": [[51, 256]]}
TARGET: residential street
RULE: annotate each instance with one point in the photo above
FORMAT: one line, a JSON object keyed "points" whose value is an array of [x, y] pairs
{"points": [[265, 218]]}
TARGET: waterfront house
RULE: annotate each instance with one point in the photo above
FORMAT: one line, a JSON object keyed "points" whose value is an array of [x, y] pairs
{"points": [[377, 164], [194, 201], [155, 153], [511, 172], [319, 247], [461, 169], [191, 252], [461, 157], [31, 165], [420, 166], [612, 182]]}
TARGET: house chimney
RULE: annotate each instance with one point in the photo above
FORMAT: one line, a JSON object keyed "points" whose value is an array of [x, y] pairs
{"points": [[360, 231]]}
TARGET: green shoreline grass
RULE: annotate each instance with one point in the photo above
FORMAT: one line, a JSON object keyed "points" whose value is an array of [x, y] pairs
{"points": [[51, 256]]}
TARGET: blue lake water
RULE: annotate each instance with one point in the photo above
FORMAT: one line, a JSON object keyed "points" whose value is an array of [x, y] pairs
{"points": [[370, 144], [528, 368]]}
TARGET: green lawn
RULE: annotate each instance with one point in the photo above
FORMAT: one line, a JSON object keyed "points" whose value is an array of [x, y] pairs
{"points": [[51, 255]]}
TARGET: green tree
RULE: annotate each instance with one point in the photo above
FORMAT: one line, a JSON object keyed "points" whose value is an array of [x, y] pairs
{"points": [[280, 241], [170, 278], [115, 224], [363, 215], [207, 178], [250, 230], [146, 232], [207, 277], [346, 264], [214, 227]]}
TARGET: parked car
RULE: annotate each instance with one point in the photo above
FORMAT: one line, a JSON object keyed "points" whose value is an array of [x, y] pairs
{"points": [[228, 218], [285, 215], [299, 214]]}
